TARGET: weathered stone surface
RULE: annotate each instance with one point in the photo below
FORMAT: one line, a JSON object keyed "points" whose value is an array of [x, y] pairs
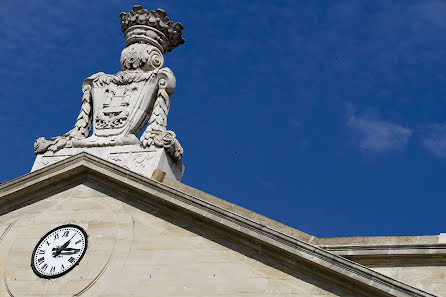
{"points": [[431, 278], [131, 157], [27, 226], [141, 252]]}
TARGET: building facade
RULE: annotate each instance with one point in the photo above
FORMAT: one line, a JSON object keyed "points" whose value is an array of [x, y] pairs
{"points": [[104, 213]]}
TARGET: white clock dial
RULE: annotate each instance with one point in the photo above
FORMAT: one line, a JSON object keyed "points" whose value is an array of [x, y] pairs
{"points": [[59, 251]]}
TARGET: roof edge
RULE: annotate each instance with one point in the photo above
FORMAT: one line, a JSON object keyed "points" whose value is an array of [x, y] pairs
{"points": [[302, 251]]}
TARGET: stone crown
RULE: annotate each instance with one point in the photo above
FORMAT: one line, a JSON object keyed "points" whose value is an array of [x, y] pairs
{"points": [[153, 27]]}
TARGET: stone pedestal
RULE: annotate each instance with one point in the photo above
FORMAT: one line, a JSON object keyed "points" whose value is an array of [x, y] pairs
{"points": [[131, 157]]}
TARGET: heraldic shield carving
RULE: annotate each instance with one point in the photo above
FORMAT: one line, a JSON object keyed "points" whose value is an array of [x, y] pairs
{"points": [[116, 108]]}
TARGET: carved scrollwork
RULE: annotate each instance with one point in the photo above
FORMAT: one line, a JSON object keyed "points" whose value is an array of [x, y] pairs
{"points": [[122, 78], [141, 56], [111, 120], [168, 140], [163, 139]]}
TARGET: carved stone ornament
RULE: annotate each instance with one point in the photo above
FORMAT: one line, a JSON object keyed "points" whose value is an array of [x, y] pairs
{"points": [[116, 108], [152, 27]]}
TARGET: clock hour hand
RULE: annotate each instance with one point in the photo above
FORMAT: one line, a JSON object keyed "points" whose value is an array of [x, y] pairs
{"points": [[66, 249]]}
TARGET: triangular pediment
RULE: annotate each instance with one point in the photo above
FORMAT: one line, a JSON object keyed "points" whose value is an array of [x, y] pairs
{"points": [[150, 239]]}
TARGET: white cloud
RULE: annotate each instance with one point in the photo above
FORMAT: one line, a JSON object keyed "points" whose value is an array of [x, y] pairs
{"points": [[378, 136], [436, 141]]}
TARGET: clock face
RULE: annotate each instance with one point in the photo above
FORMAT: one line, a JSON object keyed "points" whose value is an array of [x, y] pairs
{"points": [[59, 251]]}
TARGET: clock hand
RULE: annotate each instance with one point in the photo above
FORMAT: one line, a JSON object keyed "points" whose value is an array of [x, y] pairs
{"points": [[68, 249], [65, 249], [59, 249], [68, 242]]}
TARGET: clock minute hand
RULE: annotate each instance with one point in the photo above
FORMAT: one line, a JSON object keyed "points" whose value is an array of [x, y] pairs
{"points": [[59, 249], [66, 243]]}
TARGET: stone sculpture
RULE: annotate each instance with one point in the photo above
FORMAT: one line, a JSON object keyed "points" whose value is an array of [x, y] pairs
{"points": [[117, 107]]}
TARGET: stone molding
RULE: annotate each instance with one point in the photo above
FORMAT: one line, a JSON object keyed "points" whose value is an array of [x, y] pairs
{"points": [[84, 166], [130, 157], [391, 254], [439, 249]]}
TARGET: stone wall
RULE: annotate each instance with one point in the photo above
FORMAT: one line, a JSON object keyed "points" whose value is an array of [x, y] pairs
{"points": [[431, 279], [140, 251]]}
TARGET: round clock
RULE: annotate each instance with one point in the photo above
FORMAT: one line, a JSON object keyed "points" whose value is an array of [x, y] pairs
{"points": [[59, 251]]}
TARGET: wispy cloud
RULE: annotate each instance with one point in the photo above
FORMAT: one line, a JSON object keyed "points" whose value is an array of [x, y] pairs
{"points": [[375, 135], [435, 142]]}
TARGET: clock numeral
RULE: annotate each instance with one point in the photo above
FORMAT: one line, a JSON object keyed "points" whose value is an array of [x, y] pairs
{"points": [[77, 241], [65, 234], [62, 267], [53, 269], [56, 236], [45, 266], [40, 260], [46, 241], [41, 252], [71, 260]]}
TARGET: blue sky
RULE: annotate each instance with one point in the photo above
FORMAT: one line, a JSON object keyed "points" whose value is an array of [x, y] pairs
{"points": [[328, 116]]}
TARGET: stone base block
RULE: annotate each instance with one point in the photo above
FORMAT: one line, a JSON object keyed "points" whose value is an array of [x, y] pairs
{"points": [[131, 157]]}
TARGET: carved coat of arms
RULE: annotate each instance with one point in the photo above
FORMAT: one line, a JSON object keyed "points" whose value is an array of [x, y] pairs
{"points": [[116, 108]]}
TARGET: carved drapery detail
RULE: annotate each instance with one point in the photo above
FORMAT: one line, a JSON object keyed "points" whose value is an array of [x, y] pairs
{"points": [[83, 125], [158, 119], [156, 134], [81, 130]]}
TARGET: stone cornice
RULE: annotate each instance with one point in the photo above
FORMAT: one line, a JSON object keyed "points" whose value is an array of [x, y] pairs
{"points": [[18, 192], [394, 249], [391, 254]]}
